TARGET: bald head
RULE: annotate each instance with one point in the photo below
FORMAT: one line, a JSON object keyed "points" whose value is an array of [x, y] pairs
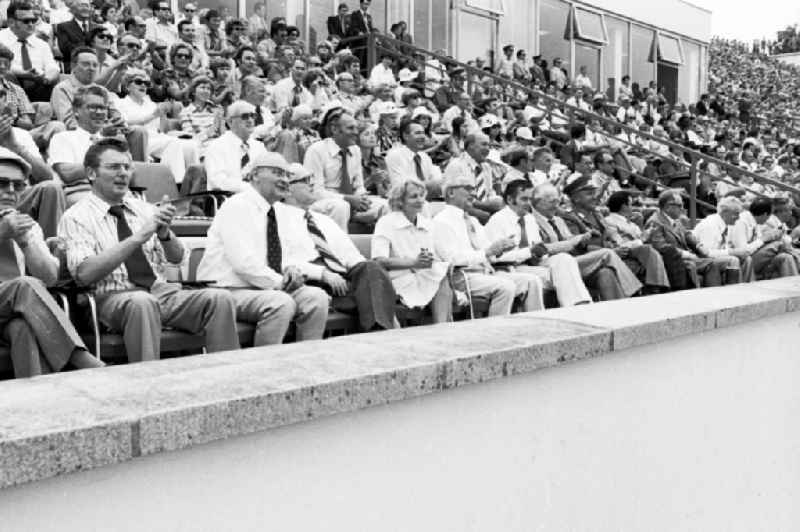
{"points": [[477, 145]]}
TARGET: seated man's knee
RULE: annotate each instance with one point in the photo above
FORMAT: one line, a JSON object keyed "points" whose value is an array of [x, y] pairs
{"points": [[139, 301], [27, 281], [282, 303], [505, 286]]}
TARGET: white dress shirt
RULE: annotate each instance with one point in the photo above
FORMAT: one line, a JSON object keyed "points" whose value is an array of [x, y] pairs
{"points": [[400, 165], [623, 231], [323, 159], [39, 51], [455, 111], [161, 34], [236, 248], [88, 229], [746, 233], [395, 236], [465, 165], [134, 112], [713, 234], [380, 75], [283, 94], [459, 238], [338, 241], [504, 224], [70, 146], [223, 161]]}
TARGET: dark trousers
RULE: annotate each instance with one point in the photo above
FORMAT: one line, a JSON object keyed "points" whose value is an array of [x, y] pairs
{"points": [[371, 294]]}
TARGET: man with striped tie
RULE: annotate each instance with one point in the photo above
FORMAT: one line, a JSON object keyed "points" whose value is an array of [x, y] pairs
{"points": [[473, 162], [356, 281], [257, 249]]}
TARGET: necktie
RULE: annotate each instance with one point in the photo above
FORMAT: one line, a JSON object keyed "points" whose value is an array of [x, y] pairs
{"points": [[9, 268], [724, 243], [26, 56], [259, 116], [324, 250], [523, 238], [245, 157], [140, 272], [296, 97], [418, 167], [555, 228], [346, 186], [274, 251], [480, 185]]}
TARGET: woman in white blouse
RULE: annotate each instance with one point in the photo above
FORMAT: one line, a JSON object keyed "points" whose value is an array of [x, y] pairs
{"points": [[403, 244], [139, 110]]}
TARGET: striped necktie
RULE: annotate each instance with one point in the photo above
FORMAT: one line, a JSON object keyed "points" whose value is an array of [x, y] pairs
{"points": [[9, 268], [324, 250], [480, 184]]}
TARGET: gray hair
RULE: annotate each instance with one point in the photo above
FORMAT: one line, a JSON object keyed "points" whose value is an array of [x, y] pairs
{"points": [[729, 203], [540, 190], [80, 95], [397, 194]]}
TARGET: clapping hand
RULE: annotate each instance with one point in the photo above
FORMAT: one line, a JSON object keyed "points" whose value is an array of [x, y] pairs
{"points": [[164, 215], [424, 259], [15, 225]]}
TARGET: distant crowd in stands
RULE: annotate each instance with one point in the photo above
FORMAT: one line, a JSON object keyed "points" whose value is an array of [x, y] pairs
{"points": [[475, 190]]}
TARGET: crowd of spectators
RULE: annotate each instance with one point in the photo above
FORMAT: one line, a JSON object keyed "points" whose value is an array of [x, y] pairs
{"points": [[512, 189]]}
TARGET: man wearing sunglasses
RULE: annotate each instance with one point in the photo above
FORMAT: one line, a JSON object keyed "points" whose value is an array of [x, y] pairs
{"points": [[75, 32], [187, 33], [33, 327], [229, 156], [256, 248], [33, 63]]}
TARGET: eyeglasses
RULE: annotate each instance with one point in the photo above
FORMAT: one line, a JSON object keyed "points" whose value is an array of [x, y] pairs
{"points": [[12, 184], [189, 10], [97, 108], [183, 56], [246, 116], [32, 20], [142, 82], [301, 180], [132, 45], [117, 167], [105, 37]]}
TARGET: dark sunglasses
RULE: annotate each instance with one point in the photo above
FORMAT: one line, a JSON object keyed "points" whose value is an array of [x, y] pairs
{"points": [[304, 180], [143, 82], [32, 20], [105, 37], [189, 10], [15, 184], [183, 56], [132, 45]]}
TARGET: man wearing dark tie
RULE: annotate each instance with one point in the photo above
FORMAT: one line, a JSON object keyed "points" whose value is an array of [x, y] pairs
{"points": [[73, 33], [339, 24], [410, 159], [36, 331]]}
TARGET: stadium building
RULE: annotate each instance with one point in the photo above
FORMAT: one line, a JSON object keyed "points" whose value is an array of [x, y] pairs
{"points": [[665, 41]]}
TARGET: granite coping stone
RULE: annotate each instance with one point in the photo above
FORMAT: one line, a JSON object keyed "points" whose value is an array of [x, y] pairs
{"points": [[67, 422]]}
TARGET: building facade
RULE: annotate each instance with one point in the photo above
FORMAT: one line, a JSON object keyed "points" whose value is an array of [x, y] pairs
{"points": [[665, 41]]}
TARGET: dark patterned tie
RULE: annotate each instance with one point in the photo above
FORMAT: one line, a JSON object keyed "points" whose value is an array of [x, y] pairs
{"points": [[259, 116], [9, 268], [346, 187], [480, 185], [418, 167], [324, 250], [296, 95], [245, 157], [523, 238], [274, 251], [140, 272]]}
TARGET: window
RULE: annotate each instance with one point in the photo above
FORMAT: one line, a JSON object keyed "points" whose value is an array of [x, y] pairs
{"points": [[588, 26], [319, 10], [422, 19], [669, 49], [496, 7], [642, 67], [615, 53], [689, 74], [589, 57], [553, 17], [440, 12]]}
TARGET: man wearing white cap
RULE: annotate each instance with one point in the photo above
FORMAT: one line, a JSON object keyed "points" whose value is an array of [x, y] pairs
{"points": [[228, 157], [257, 247], [37, 332]]}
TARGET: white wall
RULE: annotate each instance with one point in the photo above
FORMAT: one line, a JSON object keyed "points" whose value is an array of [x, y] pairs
{"points": [[789, 59], [700, 433], [673, 15]]}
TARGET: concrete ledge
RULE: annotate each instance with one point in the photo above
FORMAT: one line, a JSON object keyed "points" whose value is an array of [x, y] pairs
{"points": [[68, 422]]}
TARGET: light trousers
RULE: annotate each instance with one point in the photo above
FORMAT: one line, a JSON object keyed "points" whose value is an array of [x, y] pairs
{"points": [[177, 154], [500, 291]]}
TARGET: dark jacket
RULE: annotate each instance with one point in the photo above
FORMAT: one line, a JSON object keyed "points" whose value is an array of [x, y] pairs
{"points": [[69, 36], [338, 27]]}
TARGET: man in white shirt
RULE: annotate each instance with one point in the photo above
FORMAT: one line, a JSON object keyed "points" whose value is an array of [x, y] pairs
{"points": [[355, 281], [557, 75], [713, 232], [160, 30], [33, 63], [187, 34], [228, 157], [460, 240], [770, 248], [410, 160], [38, 333], [290, 92], [338, 175], [258, 249], [473, 164], [462, 108], [505, 66], [582, 80], [254, 92], [120, 246], [558, 271], [382, 73]]}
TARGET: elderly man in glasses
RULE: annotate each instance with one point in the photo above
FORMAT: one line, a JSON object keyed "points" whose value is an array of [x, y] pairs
{"points": [[160, 29], [257, 249], [33, 328]]}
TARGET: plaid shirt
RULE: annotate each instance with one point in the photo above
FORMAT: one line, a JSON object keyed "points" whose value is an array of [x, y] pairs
{"points": [[16, 99], [89, 229]]}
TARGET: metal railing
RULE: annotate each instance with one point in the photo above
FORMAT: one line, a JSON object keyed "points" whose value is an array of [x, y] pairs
{"points": [[688, 158]]}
